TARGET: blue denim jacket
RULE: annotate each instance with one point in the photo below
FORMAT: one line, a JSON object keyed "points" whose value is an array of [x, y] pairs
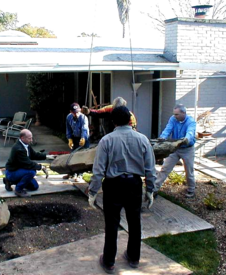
{"points": [[77, 127], [178, 130]]}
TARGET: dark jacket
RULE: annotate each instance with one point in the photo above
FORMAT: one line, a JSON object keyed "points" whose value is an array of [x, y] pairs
{"points": [[18, 158]]}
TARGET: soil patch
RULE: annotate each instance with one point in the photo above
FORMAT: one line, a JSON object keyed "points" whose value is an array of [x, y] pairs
{"points": [[42, 222]]}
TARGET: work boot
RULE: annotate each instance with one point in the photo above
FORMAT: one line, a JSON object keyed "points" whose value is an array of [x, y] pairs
{"points": [[7, 184], [133, 264], [22, 193], [107, 269]]}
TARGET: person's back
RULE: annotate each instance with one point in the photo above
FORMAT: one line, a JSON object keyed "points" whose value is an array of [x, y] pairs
{"points": [[122, 157]]}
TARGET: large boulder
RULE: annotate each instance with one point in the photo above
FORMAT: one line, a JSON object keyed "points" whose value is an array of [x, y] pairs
{"points": [[4, 214], [82, 160]]}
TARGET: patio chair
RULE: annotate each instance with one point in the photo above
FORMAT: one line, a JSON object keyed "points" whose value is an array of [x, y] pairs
{"points": [[19, 117], [13, 131]]}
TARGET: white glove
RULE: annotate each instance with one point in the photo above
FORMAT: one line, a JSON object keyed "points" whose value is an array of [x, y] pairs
{"points": [[92, 199], [51, 156], [149, 199]]}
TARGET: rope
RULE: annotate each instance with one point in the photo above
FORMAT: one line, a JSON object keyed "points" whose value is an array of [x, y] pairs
{"points": [[90, 58], [88, 80], [133, 76]]}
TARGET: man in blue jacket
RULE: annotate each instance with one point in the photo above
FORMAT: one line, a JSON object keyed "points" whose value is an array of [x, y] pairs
{"points": [[180, 126], [77, 129]]}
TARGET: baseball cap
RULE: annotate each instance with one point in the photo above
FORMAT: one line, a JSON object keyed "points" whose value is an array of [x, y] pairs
{"points": [[75, 108]]}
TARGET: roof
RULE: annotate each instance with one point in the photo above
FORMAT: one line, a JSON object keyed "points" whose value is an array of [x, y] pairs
{"points": [[54, 55]]}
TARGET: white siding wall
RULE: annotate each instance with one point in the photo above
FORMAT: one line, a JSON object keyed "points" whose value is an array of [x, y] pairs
{"points": [[200, 41], [167, 98], [121, 84]]}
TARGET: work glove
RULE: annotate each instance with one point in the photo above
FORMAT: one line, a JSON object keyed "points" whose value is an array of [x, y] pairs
{"points": [[185, 141], [150, 199], [82, 142], [51, 157], [85, 110], [70, 143], [92, 199], [44, 169]]}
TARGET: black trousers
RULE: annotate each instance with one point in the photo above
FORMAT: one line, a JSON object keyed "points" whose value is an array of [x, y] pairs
{"points": [[118, 193]]}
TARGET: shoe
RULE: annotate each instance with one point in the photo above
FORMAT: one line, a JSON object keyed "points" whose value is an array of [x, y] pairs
{"points": [[189, 194], [133, 264], [66, 177], [7, 184], [155, 195], [107, 269], [22, 194]]}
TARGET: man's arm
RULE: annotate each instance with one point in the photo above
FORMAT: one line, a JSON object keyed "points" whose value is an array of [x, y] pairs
{"points": [[149, 166], [190, 132], [25, 162], [33, 155], [168, 129], [99, 168], [69, 132], [85, 127]]}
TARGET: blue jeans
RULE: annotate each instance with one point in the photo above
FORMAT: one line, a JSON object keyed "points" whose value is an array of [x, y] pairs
{"points": [[23, 178]]}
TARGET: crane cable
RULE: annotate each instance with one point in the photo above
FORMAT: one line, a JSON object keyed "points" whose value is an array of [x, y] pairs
{"points": [[90, 60], [133, 75], [88, 79]]}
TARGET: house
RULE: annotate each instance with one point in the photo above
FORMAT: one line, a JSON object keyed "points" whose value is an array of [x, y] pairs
{"points": [[189, 69]]}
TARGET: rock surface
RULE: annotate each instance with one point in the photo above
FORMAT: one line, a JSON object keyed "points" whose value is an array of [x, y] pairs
{"points": [[4, 215]]}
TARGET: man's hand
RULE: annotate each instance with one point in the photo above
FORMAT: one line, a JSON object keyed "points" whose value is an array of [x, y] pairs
{"points": [[185, 141], [70, 143], [44, 169], [82, 142], [149, 199], [51, 157], [92, 199], [85, 110]]}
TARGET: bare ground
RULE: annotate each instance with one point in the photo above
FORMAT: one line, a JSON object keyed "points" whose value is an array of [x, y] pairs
{"points": [[45, 221]]}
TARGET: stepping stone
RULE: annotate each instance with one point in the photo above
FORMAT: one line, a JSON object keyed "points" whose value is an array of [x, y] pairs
{"points": [[165, 217], [82, 258]]}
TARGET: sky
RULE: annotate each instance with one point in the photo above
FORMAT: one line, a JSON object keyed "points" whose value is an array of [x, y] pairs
{"points": [[72, 17], [69, 18]]}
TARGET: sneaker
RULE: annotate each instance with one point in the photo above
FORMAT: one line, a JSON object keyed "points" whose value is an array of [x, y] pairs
{"points": [[7, 184], [107, 269], [189, 194], [22, 193], [133, 264]]}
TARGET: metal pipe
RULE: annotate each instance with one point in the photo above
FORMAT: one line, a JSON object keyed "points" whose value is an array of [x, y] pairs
{"points": [[196, 95], [182, 78]]}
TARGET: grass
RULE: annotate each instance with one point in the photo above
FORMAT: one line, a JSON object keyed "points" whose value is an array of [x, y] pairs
{"points": [[196, 251]]}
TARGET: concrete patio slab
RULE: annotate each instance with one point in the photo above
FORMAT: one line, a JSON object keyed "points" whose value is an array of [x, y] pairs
{"points": [[54, 184], [82, 258]]}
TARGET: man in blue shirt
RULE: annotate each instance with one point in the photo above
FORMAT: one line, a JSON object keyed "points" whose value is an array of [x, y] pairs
{"points": [[180, 126], [77, 129]]}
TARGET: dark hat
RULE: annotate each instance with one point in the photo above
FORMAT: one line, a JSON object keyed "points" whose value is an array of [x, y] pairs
{"points": [[75, 108]]}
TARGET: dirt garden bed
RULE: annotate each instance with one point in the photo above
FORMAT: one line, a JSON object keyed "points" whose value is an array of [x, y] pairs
{"points": [[56, 219]]}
